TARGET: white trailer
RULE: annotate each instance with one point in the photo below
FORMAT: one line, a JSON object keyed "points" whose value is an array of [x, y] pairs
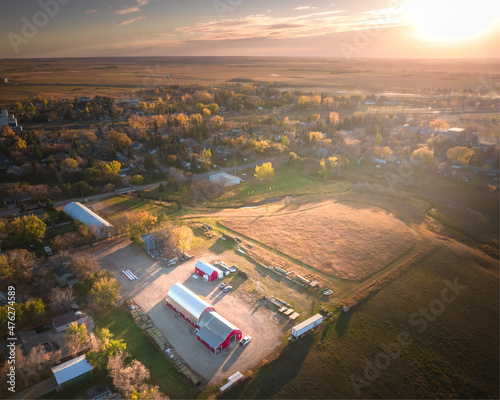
{"points": [[307, 325]]}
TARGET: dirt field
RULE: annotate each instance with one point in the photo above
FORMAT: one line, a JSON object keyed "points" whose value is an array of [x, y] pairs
{"points": [[353, 240], [238, 306]]}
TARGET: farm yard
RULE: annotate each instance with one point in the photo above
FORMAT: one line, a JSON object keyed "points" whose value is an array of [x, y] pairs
{"points": [[350, 239], [240, 307]]}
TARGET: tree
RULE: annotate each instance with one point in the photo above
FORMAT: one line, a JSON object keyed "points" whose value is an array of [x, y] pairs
{"points": [[460, 154], [61, 298], [333, 117], [128, 378], [378, 139], [106, 347], [161, 189], [137, 180], [315, 136], [77, 337], [182, 237], [205, 158], [150, 162], [292, 158], [264, 171], [382, 152], [23, 208], [17, 265], [34, 308], [69, 165], [25, 231], [439, 124], [84, 265], [105, 290], [423, 155]]}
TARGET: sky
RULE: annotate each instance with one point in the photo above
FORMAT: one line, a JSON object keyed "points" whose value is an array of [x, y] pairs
{"points": [[318, 28]]}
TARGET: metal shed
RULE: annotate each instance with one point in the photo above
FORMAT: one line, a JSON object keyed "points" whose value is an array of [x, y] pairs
{"points": [[187, 304], [208, 271], [216, 332], [97, 225]]}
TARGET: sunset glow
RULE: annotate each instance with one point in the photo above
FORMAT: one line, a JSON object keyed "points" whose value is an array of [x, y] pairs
{"points": [[451, 20]]}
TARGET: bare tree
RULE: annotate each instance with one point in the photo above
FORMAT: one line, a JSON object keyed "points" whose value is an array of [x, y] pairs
{"points": [[77, 337], [61, 299], [127, 378], [84, 265]]}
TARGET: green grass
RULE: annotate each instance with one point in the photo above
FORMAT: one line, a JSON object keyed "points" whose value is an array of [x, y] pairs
{"points": [[163, 373], [287, 181], [456, 356]]}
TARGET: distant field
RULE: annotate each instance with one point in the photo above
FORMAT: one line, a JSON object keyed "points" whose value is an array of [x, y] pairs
{"points": [[311, 74], [346, 238]]}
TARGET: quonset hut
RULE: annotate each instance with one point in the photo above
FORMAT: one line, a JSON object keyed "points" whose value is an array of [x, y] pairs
{"points": [[97, 225], [214, 331], [187, 304]]}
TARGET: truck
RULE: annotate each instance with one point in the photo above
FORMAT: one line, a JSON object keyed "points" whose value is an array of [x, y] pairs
{"points": [[307, 325]]}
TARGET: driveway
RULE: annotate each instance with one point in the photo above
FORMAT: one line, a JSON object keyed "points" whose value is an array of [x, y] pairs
{"points": [[238, 307]]}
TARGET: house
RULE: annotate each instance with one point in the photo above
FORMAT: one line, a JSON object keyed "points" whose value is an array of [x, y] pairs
{"points": [[4, 80], [187, 304], [71, 371], [62, 322], [10, 121], [224, 179], [379, 160], [208, 271], [65, 277]]}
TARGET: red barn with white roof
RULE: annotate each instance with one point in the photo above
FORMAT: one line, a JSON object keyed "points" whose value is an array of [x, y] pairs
{"points": [[208, 271]]}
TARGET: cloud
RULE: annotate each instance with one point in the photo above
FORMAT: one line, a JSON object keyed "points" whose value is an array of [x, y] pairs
{"points": [[127, 10], [141, 3], [90, 11], [129, 21], [306, 8], [290, 27]]}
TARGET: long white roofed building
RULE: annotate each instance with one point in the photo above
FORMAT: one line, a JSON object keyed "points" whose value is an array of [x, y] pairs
{"points": [[187, 304], [96, 224]]}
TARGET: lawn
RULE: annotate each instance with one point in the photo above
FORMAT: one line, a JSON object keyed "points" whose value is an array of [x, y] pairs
{"points": [[455, 356], [163, 373], [287, 181], [351, 239]]}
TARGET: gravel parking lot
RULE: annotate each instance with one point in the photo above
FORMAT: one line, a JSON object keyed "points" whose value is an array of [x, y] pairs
{"points": [[238, 306]]}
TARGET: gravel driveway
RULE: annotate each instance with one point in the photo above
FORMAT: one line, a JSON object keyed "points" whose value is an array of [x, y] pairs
{"points": [[239, 307]]}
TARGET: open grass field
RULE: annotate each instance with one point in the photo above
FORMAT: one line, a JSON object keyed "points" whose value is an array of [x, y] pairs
{"points": [[318, 74], [453, 355], [351, 239]]}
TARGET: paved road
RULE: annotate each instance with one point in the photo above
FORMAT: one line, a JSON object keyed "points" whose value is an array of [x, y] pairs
{"points": [[37, 390], [98, 197]]}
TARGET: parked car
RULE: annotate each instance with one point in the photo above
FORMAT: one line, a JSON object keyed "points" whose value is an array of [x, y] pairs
{"points": [[222, 285], [245, 340], [228, 288], [48, 250], [187, 256]]}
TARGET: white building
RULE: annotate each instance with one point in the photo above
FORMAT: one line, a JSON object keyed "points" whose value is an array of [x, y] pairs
{"points": [[224, 179], [9, 120], [71, 371], [96, 224]]}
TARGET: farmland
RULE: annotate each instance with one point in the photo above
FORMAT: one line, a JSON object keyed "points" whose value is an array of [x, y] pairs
{"points": [[444, 360], [350, 239]]}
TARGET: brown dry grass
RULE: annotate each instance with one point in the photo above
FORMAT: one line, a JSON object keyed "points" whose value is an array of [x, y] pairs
{"points": [[350, 239]]}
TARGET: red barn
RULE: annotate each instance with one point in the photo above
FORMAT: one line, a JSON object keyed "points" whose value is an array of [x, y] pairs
{"points": [[207, 271], [216, 332], [187, 304]]}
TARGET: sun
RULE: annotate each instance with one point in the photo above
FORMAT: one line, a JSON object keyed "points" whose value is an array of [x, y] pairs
{"points": [[452, 20]]}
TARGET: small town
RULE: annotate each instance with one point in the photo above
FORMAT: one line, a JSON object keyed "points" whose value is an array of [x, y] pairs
{"points": [[214, 224]]}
